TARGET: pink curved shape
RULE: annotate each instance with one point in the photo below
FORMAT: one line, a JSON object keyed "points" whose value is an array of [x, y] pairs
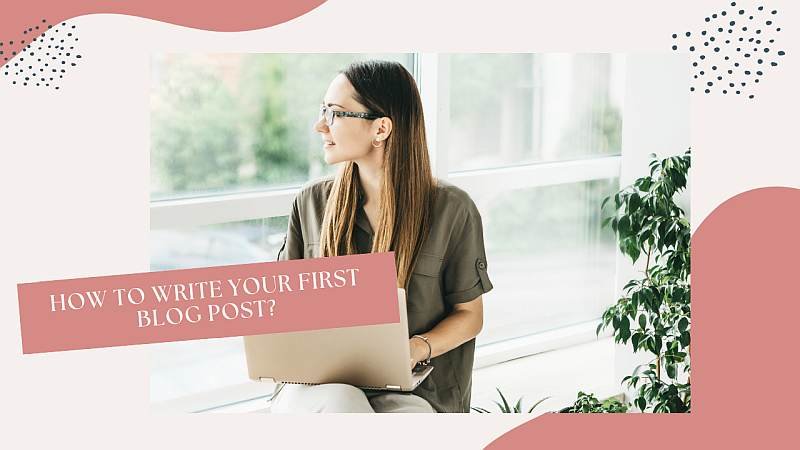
{"points": [[22, 21], [745, 311]]}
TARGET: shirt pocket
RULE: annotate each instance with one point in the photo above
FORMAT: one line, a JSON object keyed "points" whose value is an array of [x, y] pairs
{"points": [[428, 265], [424, 298]]}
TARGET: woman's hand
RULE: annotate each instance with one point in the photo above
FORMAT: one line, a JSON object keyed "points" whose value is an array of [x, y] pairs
{"points": [[419, 351]]}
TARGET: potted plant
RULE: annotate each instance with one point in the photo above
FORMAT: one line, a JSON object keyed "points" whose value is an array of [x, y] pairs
{"points": [[654, 312], [505, 407], [588, 403]]}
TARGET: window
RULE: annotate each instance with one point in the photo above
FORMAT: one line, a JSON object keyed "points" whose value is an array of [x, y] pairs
{"points": [[534, 139], [508, 109], [234, 122], [551, 264]]}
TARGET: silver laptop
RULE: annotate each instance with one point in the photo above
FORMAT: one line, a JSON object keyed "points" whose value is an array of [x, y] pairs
{"points": [[370, 357]]}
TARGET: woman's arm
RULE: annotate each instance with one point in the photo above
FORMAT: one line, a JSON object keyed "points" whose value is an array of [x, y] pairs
{"points": [[461, 325]]}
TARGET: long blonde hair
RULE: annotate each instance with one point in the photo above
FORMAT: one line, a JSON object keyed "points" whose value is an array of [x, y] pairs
{"points": [[408, 189]]}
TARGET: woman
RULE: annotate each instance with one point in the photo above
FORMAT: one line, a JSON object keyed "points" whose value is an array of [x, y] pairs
{"points": [[385, 198]]}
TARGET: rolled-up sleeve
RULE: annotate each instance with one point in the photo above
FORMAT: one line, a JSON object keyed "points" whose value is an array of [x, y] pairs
{"points": [[465, 275]]}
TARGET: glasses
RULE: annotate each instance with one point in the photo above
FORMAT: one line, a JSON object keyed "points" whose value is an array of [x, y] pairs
{"points": [[330, 114]]}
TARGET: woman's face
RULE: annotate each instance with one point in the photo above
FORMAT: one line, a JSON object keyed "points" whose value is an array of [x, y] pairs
{"points": [[349, 138]]}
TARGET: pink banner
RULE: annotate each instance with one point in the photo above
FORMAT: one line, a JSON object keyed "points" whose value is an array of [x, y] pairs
{"points": [[209, 302]]}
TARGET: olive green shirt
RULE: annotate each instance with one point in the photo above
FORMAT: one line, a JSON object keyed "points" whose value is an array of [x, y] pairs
{"points": [[450, 269]]}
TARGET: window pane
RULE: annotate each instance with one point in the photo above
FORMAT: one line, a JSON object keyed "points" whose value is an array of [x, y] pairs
{"points": [[183, 368], [550, 262], [508, 109], [226, 122]]}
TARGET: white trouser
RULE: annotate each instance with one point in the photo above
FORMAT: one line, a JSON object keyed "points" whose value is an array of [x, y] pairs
{"points": [[344, 398]]}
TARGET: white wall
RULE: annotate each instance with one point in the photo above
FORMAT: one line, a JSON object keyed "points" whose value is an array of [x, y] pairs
{"points": [[656, 120]]}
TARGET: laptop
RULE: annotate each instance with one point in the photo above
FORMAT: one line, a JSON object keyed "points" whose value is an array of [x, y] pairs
{"points": [[374, 357]]}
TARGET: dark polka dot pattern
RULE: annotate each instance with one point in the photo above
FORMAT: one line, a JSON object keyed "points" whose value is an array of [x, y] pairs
{"points": [[44, 59], [745, 62]]}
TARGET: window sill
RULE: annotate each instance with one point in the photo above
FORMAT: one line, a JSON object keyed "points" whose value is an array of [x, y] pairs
{"points": [[239, 398], [558, 374], [561, 338]]}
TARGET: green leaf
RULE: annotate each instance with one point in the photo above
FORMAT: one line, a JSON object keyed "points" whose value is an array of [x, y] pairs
{"points": [[480, 410], [635, 341], [625, 325], [624, 225], [636, 299], [642, 321], [633, 203], [633, 250], [505, 406], [671, 371], [537, 404]]}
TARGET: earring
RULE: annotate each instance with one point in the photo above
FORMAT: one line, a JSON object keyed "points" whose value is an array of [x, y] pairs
{"points": [[374, 142]]}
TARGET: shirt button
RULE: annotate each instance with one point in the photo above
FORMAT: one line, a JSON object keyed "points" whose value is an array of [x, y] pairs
{"points": [[481, 265]]}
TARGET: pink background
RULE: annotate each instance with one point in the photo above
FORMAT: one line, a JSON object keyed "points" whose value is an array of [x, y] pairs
{"points": [[76, 174]]}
